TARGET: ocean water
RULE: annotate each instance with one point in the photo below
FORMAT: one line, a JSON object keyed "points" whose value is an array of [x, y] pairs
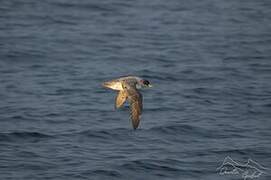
{"points": [[209, 63]]}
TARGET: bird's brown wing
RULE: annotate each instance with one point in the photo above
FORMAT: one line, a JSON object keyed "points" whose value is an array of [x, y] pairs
{"points": [[120, 99], [135, 99]]}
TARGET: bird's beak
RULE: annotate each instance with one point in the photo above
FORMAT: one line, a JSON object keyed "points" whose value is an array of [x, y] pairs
{"points": [[150, 85]]}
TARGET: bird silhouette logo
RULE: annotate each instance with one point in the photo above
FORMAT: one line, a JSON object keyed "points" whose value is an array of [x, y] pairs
{"points": [[251, 169]]}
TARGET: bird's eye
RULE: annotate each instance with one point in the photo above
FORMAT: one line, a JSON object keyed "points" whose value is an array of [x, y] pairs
{"points": [[146, 82]]}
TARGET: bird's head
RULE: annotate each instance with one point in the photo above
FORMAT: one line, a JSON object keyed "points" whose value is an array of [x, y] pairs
{"points": [[145, 83]]}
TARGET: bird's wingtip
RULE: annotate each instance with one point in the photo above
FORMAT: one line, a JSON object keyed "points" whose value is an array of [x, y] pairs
{"points": [[105, 84]]}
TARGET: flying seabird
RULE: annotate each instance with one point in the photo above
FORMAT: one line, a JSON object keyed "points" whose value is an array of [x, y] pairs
{"points": [[128, 88]]}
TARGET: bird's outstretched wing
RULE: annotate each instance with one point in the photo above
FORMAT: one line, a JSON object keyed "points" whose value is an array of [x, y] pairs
{"points": [[120, 98], [135, 99]]}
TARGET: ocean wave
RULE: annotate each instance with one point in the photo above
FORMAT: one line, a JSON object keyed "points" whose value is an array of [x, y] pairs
{"points": [[149, 165], [188, 130], [104, 172], [22, 135], [103, 134]]}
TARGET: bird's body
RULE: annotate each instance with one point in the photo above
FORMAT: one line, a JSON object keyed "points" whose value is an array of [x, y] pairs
{"points": [[128, 88], [117, 84]]}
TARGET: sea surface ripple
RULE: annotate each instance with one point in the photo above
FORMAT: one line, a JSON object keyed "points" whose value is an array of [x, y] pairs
{"points": [[209, 63]]}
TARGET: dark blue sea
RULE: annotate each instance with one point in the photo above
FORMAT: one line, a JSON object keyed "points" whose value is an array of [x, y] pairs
{"points": [[209, 63]]}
